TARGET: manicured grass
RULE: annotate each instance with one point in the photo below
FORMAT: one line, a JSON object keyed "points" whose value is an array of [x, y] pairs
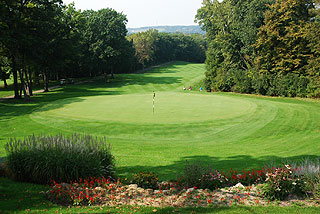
{"points": [[221, 129]]}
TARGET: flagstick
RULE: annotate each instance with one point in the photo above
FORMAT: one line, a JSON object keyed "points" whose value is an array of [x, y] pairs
{"points": [[154, 95]]}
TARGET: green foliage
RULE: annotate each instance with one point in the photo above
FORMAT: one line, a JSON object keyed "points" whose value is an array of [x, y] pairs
{"points": [[281, 182], [43, 159], [146, 180], [290, 85], [194, 173], [144, 44], [282, 46], [310, 171], [212, 180], [231, 28], [152, 47], [312, 34], [5, 70], [263, 46]]}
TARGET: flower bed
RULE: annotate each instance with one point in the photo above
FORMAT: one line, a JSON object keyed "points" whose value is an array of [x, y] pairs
{"points": [[95, 191], [116, 194], [103, 192]]}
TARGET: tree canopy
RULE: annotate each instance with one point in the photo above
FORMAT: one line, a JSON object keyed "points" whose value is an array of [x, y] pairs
{"points": [[262, 46]]}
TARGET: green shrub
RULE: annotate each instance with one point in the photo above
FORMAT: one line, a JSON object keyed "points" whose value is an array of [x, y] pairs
{"points": [[316, 190], [281, 182], [242, 82], [42, 159], [310, 171], [146, 180], [212, 180], [194, 174], [2, 170], [224, 81]]}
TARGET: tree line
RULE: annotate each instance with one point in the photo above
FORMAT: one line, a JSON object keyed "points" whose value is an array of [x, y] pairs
{"points": [[269, 47], [42, 40]]}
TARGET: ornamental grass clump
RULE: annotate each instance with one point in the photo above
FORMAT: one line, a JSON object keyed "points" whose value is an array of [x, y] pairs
{"points": [[43, 159], [194, 173], [310, 171]]}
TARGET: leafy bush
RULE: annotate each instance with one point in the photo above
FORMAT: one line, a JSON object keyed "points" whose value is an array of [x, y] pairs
{"points": [[316, 190], [251, 81], [193, 173], [281, 182], [212, 180], [242, 82], [146, 180], [43, 159], [2, 170], [224, 81], [201, 176], [310, 171]]}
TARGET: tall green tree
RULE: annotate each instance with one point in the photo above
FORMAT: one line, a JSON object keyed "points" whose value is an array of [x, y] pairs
{"points": [[144, 44], [312, 34], [26, 28], [231, 28], [282, 45], [106, 33]]}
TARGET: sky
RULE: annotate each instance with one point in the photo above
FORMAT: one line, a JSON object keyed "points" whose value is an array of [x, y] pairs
{"points": [[144, 13]]}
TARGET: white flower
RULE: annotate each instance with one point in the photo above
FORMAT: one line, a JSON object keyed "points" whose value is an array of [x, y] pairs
{"points": [[294, 183]]}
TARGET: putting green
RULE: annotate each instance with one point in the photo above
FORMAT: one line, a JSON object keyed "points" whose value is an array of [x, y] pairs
{"points": [[170, 108]]}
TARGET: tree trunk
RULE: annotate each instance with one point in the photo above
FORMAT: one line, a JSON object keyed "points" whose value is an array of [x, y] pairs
{"points": [[46, 81], [112, 74], [29, 80], [25, 73], [15, 79], [143, 66], [23, 86], [5, 83]]}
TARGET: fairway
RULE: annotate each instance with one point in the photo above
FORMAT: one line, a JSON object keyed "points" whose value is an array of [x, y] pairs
{"points": [[221, 129]]}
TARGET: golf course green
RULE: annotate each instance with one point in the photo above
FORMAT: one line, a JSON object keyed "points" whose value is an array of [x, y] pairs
{"points": [[223, 130]]}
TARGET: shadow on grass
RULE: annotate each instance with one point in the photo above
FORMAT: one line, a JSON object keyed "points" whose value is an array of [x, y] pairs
{"points": [[15, 196], [11, 108], [239, 162]]}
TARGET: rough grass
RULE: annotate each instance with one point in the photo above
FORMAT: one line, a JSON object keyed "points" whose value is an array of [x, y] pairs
{"points": [[221, 129]]}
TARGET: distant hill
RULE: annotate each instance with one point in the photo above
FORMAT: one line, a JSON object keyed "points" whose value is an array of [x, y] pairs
{"points": [[169, 29]]}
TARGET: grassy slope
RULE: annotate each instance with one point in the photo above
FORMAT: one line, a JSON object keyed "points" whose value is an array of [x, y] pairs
{"points": [[223, 130]]}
